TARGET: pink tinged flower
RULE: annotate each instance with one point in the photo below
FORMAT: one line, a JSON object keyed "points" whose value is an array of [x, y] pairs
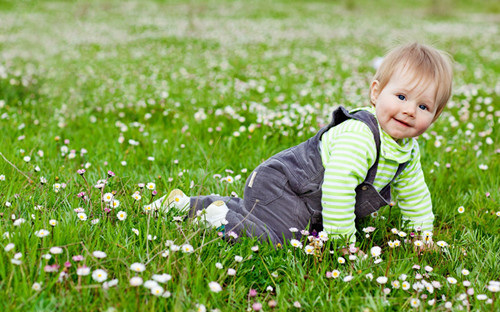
{"points": [[56, 250], [328, 274], [297, 304], [51, 268], [67, 264], [111, 174], [83, 271], [416, 267], [238, 258], [255, 248], [215, 287], [99, 254], [81, 171], [252, 293], [257, 306]]}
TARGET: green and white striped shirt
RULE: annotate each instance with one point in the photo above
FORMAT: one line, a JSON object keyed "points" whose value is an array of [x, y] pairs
{"points": [[347, 151]]}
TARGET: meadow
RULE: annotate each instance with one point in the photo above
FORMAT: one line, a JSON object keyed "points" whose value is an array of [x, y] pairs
{"points": [[107, 105]]}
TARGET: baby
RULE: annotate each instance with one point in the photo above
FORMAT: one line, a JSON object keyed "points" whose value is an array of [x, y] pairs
{"points": [[346, 171]]}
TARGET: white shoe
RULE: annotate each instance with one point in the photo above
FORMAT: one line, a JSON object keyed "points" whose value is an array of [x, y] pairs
{"points": [[178, 200], [216, 213]]}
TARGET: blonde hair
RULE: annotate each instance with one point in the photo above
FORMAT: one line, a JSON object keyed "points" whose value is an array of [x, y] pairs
{"points": [[426, 63]]}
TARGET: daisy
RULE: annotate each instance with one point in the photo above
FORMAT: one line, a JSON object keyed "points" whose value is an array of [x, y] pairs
{"points": [[36, 287], [451, 280], [231, 272], [42, 233], [405, 285], [465, 272], [99, 254], [99, 275], [309, 250], [293, 229], [136, 231], [186, 248], [415, 302], [122, 215], [82, 216], [114, 203], [296, 243], [442, 244], [157, 290], [53, 222], [150, 186], [56, 250], [335, 273], [348, 278], [162, 278], [200, 308], [323, 236], [255, 248], [136, 281], [369, 276], [481, 297], [9, 247], [418, 243], [219, 266], [83, 271], [461, 209], [341, 260], [107, 197], [136, 196], [238, 258], [215, 287], [395, 284], [375, 251], [381, 279], [138, 267]]}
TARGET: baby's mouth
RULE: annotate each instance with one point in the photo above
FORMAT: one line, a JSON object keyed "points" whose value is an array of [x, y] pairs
{"points": [[402, 122]]}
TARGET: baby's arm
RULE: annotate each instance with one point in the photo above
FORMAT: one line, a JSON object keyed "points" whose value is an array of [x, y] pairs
{"points": [[413, 195], [350, 152]]}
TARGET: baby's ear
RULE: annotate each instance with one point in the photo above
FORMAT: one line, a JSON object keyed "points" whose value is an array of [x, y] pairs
{"points": [[374, 91]]}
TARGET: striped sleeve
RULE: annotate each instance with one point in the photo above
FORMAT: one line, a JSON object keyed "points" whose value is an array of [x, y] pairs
{"points": [[413, 195], [348, 152]]}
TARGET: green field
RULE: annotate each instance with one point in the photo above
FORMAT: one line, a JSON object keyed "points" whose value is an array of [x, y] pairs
{"points": [[185, 93]]}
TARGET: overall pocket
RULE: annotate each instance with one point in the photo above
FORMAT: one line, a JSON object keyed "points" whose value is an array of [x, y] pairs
{"points": [[265, 184]]}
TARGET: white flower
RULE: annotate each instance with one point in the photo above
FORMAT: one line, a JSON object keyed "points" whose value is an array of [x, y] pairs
{"points": [[405, 285], [395, 284], [52, 222], [442, 244], [114, 204], [9, 247], [309, 250], [465, 272], [150, 284], [110, 284], [162, 278], [340, 260], [348, 278], [481, 297], [381, 279], [137, 196], [369, 276], [175, 248], [418, 243], [200, 308], [375, 251], [323, 236], [295, 243], [2, 177], [138, 267], [42, 233], [218, 265], [82, 216], [293, 229], [94, 221], [99, 275], [335, 273], [136, 231], [136, 281], [15, 261], [415, 302], [238, 258], [215, 287], [403, 277], [428, 268], [107, 197], [255, 248], [493, 287], [186, 248], [20, 221], [231, 272], [83, 271], [36, 287], [157, 290], [151, 186], [451, 280], [99, 254], [461, 209], [56, 250], [122, 215]]}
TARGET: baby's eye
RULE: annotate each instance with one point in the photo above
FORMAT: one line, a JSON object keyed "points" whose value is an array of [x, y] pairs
{"points": [[401, 97], [422, 107]]}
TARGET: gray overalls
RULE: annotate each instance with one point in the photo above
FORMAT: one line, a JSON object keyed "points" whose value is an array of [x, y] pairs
{"points": [[285, 190]]}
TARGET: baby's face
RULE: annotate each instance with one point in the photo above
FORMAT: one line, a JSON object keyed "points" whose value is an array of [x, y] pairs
{"points": [[404, 108]]}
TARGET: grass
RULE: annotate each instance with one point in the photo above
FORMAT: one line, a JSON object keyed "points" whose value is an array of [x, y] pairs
{"points": [[206, 87]]}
